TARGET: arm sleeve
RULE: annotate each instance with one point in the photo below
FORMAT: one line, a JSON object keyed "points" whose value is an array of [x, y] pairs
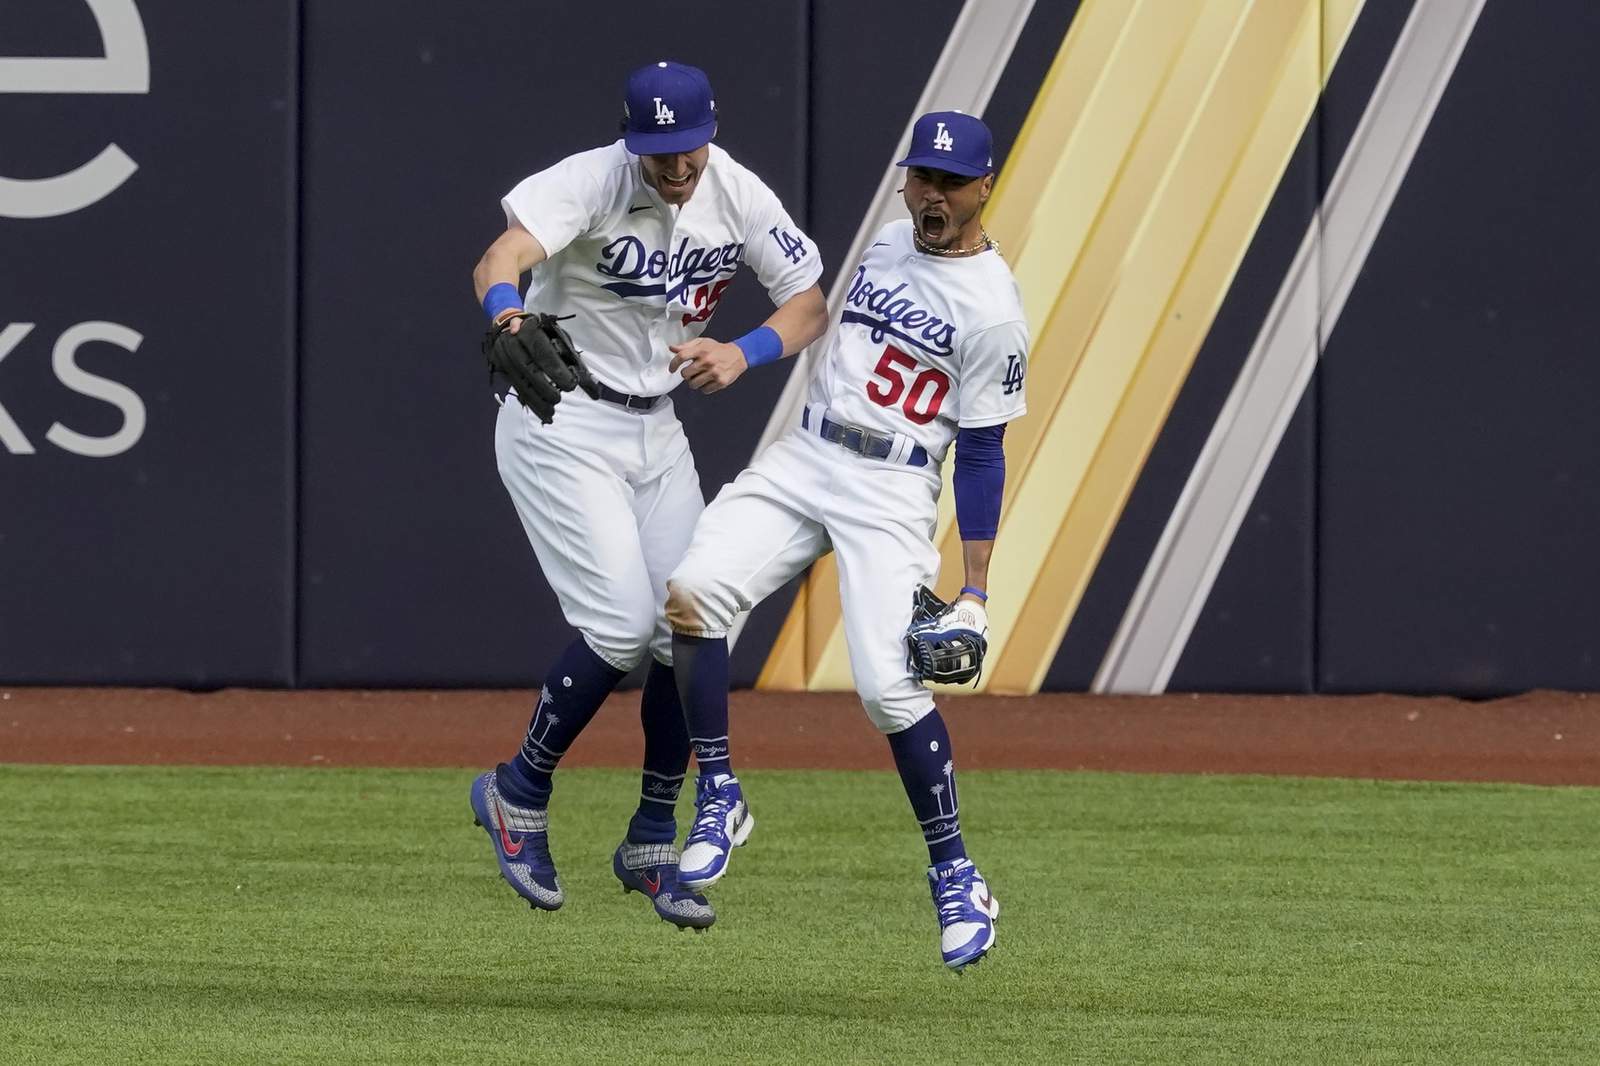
{"points": [[556, 205], [979, 480], [994, 368], [780, 253]]}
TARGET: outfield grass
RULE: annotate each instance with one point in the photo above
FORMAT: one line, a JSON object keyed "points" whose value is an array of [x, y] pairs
{"points": [[344, 916]]}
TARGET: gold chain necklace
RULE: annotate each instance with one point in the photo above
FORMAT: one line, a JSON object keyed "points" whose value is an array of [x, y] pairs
{"points": [[985, 242]]}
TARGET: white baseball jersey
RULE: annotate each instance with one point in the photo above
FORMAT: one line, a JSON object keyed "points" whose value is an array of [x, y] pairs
{"points": [[925, 344], [640, 274]]}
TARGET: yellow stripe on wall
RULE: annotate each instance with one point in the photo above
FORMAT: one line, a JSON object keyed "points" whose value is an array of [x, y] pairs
{"points": [[1145, 165]]}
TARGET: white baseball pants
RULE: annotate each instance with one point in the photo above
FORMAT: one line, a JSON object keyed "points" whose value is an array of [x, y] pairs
{"points": [[801, 496], [609, 498]]}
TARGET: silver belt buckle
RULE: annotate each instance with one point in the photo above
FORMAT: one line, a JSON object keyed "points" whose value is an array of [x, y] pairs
{"points": [[853, 439]]}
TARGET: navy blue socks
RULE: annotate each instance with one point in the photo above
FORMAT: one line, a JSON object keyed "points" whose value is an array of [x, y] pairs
{"points": [[577, 684], [928, 772], [666, 758], [702, 674]]}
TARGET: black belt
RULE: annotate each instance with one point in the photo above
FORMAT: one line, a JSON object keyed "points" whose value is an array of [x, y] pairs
{"points": [[863, 442], [622, 399]]}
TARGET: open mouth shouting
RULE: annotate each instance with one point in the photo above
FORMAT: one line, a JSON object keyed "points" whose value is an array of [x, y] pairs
{"points": [[676, 182], [933, 225], [674, 176]]}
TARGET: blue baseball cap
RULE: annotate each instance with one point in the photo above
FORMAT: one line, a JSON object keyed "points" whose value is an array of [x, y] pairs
{"points": [[668, 107], [951, 141]]}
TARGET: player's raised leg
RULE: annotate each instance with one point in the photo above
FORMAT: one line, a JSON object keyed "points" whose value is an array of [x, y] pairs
{"points": [[722, 819], [966, 908], [752, 539], [666, 505], [883, 556], [578, 517], [647, 859]]}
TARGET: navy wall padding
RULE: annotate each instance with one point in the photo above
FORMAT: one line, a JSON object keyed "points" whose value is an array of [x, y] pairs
{"points": [[169, 562]]}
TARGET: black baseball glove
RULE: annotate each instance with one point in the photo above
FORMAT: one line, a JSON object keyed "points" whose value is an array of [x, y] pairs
{"points": [[539, 360], [945, 642]]}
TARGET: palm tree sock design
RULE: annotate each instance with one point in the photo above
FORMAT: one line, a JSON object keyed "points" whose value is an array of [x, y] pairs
{"points": [[574, 689], [928, 771]]}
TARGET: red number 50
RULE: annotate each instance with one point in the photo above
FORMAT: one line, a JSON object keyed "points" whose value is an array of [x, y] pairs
{"points": [[922, 400]]}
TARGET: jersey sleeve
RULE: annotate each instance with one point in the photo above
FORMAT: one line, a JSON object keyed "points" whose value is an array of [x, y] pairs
{"points": [[556, 205], [994, 368], [780, 253]]}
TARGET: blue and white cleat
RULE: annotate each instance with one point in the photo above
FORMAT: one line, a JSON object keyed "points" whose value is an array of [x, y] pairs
{"points": [[653, 870], [521, 844], [722, 822], [967, 912]]}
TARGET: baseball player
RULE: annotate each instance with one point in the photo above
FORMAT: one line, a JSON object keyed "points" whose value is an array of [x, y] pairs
{"points": [[631, 247], [930, 346]]}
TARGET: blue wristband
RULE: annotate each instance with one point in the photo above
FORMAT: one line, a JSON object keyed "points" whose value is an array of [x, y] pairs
{"points": [[968, 590], [501, 297], [761, 345]]}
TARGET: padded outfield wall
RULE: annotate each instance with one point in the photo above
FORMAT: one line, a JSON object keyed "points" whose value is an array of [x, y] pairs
{"points": [[1308, 280]]}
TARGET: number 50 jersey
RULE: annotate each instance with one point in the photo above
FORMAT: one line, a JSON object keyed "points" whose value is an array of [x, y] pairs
{"points": [[925, 344]]}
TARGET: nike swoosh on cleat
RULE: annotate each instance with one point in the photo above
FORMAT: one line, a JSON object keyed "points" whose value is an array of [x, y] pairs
{"points": [[987, 902], [653, 884], [513, 848]]}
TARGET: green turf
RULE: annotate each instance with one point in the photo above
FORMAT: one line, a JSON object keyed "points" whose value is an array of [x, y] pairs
{"points": [[343, 916]]}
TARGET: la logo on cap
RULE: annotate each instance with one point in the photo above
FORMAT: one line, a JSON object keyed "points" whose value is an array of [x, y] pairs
{"points": [[668, 108], [934, 144]]}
